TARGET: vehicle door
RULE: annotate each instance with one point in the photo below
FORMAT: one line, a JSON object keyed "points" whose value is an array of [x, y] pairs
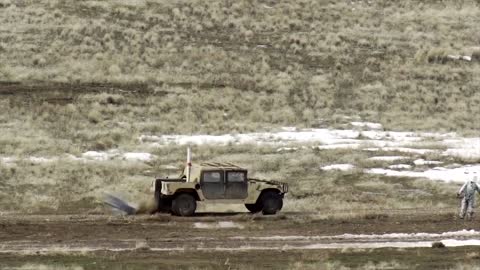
{"points": [[212, 184], [236, 185]]}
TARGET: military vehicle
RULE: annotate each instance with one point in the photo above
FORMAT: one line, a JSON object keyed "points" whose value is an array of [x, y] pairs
{"points": [[217, 183]]}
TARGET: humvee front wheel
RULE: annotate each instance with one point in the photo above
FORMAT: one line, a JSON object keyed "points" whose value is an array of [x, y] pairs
{"points": [[272, 202], [184, 205]]}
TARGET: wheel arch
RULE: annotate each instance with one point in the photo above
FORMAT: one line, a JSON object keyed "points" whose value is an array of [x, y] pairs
{"points": [[190, 191], [266, 190]]}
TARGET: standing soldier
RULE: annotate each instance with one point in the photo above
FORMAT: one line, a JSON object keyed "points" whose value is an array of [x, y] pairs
{"points": [[467, 191]]}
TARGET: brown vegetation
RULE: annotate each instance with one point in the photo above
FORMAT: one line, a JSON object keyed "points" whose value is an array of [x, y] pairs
{"points": [[94, 75]]}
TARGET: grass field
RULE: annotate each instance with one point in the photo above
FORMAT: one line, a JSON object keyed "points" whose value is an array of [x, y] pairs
{"points": [[78, 76], [458, 259], [213, 64], [86, 87]]}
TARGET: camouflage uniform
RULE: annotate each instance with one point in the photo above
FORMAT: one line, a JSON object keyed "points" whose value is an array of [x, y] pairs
{"points": [[468, 201]]}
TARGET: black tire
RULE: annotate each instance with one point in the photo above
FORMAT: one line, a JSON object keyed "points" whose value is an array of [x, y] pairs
{"points": [[272, 202], [254, 207], [184, 205]]}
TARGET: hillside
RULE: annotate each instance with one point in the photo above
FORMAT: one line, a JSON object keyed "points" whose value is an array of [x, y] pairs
{"points": [[82, 82], [254, 64]]}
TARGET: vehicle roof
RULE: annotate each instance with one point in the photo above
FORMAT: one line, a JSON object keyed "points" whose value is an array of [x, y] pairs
{"points": [[219, 165]]}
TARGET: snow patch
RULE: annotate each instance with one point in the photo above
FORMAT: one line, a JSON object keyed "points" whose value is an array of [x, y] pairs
{"points": [[400, 166], [462, 152], [339, 167], [461, 233], [338, 146], [8, 159], [438, 173], [426, 162], [287, 149], [41, 159], [324, 136], [94, 155], [138, 156], [218, 225], [291, 129], [463, 147], [401, 149], [369, 245], [377, 140], [461, 243]]}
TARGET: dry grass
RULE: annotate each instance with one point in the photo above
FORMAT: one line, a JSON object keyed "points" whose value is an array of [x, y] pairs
{"points": [[291, 62], [74, 186], [106, 72]]}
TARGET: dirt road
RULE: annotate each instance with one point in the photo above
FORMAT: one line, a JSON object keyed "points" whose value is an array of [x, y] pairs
{"points": [[218, 230], [241, 239]]}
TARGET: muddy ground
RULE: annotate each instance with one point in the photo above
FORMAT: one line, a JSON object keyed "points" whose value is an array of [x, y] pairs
{"points": [[221, 241], [58, 228]]}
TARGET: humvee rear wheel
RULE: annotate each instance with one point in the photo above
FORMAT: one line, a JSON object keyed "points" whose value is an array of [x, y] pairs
{"points": [[272, 202], [254, 207], [184, 205]]}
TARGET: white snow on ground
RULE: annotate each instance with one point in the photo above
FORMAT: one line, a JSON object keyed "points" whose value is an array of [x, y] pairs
{"points": [[449, 175], [462, 233], [462, 147], [400, 166], [383, 140], [426, 162], [461, 243], [354, 245], [219, 225], [33, 159], [289, 242], [385, 136], [388, 158], [324, 136], [138, 156], [369, 140], [462, 152], [401, 149], [8, 159], [369, 125], [394, 244], [94, 155], [339, 167], [339, 146], [287, 149], [42, 159], [291, 129]]}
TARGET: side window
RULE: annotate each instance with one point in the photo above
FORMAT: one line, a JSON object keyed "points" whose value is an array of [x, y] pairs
{"points": [[212, 177], [237, 177]]}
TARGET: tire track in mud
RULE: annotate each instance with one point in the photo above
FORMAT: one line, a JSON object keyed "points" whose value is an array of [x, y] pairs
{"points": [[46, 234], [245, 243]]}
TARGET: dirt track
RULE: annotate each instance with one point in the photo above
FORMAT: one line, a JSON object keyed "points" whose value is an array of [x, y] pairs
{"points": [[157, 230], [212, 241]]}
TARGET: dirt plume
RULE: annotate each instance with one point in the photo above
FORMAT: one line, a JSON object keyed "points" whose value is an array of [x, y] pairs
{"points": [[144, 206]]}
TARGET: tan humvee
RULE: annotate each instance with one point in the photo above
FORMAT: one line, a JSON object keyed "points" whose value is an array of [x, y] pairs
{"points": [[217, 183]]}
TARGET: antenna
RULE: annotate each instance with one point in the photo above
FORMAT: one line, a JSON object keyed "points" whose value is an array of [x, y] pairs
{"points": [[189, 163]]}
